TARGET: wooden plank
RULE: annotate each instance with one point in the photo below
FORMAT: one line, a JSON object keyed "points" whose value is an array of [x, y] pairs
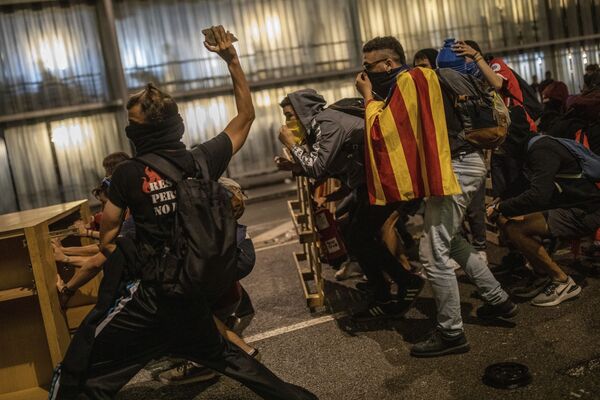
{"points": [[25, 360], [44, 271], [75, 315], [301, 274], [9, 223], [36, 393], [16, 293], [15, 271], [307, 237]]}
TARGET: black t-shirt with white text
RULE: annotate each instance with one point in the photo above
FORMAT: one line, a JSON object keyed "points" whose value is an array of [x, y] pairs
{"points": [[151, 198]]}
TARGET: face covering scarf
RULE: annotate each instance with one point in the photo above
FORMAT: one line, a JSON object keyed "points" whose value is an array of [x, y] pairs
{"points": [[298, 130], [150, 138], [473, 69], [384, 81]]}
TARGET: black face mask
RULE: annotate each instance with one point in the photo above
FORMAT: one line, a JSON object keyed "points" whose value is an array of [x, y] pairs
{"points": [[384, 81], [148, 138]]}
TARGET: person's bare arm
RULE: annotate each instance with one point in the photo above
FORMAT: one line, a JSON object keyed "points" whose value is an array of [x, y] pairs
{"points": [[89, 269], [239, 127], [85, 251], [112, 218], [464, 50]]}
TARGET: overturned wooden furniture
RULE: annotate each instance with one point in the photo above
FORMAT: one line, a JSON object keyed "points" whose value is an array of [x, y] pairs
{"points": [[308, 261], [34, 331]]}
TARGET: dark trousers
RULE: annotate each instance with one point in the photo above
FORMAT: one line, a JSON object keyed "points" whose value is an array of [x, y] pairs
{"points": [[364, 240], [507, 172], [141, 326]]}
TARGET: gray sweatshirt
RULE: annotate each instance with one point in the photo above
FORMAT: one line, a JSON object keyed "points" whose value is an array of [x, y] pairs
{"points": [[335, 140]]}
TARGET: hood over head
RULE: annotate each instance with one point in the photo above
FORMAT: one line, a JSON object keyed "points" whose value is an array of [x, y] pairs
{"points": [[307, 103]]}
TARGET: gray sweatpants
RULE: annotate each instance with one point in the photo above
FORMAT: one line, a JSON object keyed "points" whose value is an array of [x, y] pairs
{"points": [[442, 240]]}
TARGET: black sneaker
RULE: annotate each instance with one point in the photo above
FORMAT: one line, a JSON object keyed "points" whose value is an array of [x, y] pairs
{"points": [[509, 264], [380, 310], [439, 344], [506, 309]]}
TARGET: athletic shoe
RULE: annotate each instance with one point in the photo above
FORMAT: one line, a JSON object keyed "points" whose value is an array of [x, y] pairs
{"points": [[381, 310], [509, 263], [506, 309], [530, 287], [557, 292], [349, 269], [188, 372], [439, 344]]}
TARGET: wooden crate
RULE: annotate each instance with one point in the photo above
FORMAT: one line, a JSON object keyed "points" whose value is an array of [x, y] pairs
{"points": [[35, 331]]}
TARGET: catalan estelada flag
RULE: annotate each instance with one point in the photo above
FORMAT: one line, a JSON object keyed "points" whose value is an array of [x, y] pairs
{"points": [[407, 148]]}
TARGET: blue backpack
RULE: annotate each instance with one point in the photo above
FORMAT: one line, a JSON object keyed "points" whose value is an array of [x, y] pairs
{"points": [[589, 161]]}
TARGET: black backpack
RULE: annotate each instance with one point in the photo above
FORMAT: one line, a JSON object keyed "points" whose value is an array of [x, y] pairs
{"points": [[200, 258], [530, 98], [350, 105]]}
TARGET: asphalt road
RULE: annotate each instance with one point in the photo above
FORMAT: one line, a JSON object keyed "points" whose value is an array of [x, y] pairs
{"points": [[336, 359]]}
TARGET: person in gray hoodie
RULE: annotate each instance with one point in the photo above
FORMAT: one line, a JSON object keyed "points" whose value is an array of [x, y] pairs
{"points": [[328, 142]]}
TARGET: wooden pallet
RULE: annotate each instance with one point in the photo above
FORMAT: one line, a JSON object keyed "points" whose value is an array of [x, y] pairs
{"points": [[308, 262]]}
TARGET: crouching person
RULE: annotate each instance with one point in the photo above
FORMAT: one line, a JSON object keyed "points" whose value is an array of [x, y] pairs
{"points": [[562, 202], [185, 249], [335, 148]]}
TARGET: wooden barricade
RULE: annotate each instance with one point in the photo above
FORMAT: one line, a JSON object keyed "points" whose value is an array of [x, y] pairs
{"points": [[308, 262], [34, 331]]}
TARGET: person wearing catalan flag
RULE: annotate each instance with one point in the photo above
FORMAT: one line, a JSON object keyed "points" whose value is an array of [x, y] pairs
{"points": [[414, 149]]}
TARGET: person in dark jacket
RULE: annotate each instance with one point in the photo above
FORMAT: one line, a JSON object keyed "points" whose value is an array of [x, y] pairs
{"points": [[333, 139], [333, 148], [425, 58], [559, 203]]}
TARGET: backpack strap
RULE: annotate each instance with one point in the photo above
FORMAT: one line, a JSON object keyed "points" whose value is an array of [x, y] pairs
{"points": [[201, 164], [535, 139], [162, 166]]}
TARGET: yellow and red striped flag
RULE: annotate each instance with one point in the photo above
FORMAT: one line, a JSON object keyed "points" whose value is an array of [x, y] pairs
{"points": [[407, 147]]}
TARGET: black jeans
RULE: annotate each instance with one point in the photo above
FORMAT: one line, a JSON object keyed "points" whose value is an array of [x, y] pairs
{"points": [[141, 326], [364, 240]]}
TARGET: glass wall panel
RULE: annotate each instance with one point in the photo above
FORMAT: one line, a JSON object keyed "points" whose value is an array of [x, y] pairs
{"points": [[206, 118], [30, 152], [80, 145], [50, 56], [495, 24], [161, 40], [8, 200], [58, 161]]}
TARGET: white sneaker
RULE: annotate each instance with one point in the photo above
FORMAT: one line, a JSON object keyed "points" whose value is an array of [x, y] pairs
{"points": [[557, 292], [349, 269]]}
